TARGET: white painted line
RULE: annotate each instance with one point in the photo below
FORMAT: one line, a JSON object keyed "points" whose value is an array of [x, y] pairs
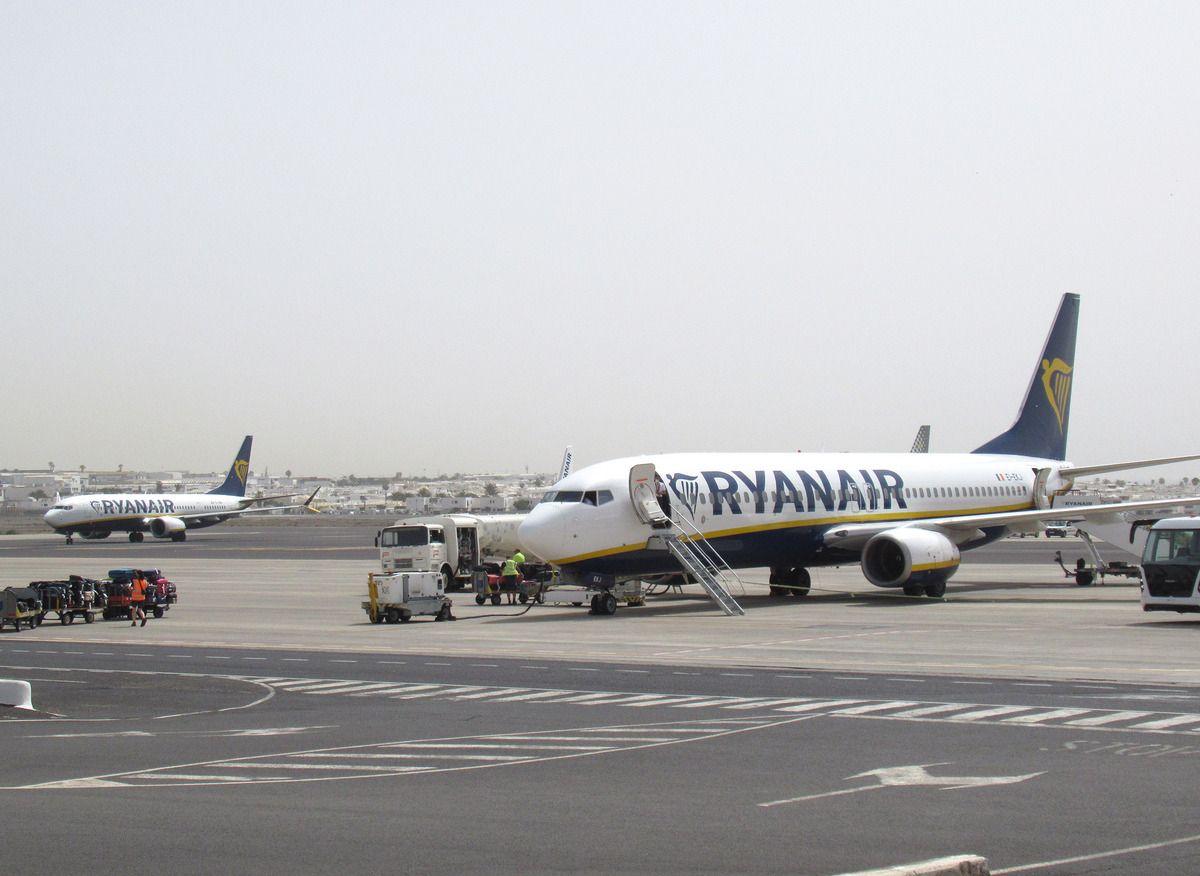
{"points": [[340, 767], [423, 746], [1165, 722], [1043, 865], [488, 757], [191, 777], [536, 695], [1053, 715], [711, 701], [874, 707], [1108, 719], [767, 704], [433, 693], [585, 698], [311, 686], [667, 700], [616, 739], [361, 689], [931, 710], [492, 692], [989, 713], [819, 704]]}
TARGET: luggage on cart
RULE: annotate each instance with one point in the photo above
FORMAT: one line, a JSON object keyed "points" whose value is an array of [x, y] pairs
{"points": [[70, 599]]}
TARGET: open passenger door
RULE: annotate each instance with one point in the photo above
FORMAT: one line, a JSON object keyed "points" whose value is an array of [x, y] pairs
{"points": [[648, 493]]}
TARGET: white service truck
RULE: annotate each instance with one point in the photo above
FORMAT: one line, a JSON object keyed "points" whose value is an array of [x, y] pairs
{"points": [[452, 545]]}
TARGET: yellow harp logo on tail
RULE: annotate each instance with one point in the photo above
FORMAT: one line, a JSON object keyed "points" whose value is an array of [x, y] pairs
{"points": [[1056, 380], [242, 467]]}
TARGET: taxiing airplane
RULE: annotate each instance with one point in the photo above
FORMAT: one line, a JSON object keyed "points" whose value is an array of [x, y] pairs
{"points": [[163, 515], [905, 517]]}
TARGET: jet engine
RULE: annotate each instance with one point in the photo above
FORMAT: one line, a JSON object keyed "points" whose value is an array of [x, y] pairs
{"points": [[168, 527], [919, 560]]}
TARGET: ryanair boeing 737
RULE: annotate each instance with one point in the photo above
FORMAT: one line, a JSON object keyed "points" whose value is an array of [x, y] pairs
{"points": [[905, 517], [163, 515]]}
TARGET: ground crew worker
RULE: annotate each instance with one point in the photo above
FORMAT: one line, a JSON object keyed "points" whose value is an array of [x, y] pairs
{"points": [[137, 598], [508, 579]]}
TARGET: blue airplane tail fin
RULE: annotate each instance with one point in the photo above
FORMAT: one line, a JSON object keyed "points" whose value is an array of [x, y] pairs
{"points": [[1041, 426], [235, 481]]}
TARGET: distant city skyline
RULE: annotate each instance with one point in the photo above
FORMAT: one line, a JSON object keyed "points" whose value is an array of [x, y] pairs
{"points": [[433, 237]]}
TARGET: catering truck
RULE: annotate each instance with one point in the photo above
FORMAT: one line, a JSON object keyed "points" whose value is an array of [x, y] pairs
{"points": [[452, 545]]}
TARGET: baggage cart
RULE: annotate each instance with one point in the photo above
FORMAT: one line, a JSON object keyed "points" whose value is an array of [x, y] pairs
{"points": [[486, 585], [20, 605], [70, 599]]}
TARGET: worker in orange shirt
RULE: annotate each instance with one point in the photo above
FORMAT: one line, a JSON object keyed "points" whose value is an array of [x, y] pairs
{"points": [[137, 598]]}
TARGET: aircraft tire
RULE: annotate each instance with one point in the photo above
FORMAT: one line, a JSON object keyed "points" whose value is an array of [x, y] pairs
{"points": [[936, 590], [608, 604], [1085, 577], [914, 590]]}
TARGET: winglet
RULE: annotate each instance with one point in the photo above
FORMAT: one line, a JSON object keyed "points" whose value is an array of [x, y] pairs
{"points": [[307, 506]]}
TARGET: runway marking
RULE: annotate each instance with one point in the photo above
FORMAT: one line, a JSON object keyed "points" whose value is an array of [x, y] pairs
{"points": [[1097, 856], [415, 757], [1015, 715]]}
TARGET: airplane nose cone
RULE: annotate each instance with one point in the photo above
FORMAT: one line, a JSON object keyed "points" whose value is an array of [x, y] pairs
{"points": [[541, 534]]}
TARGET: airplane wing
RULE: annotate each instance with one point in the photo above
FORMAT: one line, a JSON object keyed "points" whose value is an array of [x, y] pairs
{"points": [[967, 527], [1083, 471], [225, 515]]}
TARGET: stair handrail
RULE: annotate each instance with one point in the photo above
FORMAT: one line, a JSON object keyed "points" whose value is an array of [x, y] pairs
{"points": [[696, 539]]}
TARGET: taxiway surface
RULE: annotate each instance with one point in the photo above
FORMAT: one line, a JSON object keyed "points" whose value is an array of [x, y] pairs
{"points": [[267, 727]]}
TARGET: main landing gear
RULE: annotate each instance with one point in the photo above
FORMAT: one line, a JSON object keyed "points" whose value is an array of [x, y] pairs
{"points": [[790, 581], [135, 537], [934, 589], [604, 603]]}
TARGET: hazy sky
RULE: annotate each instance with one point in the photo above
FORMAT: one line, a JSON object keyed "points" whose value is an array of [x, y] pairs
{"points": [[458, 236]]}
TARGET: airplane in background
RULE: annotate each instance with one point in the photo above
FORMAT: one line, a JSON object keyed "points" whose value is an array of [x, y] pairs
{"points": [[904, 517], [163, 515]]}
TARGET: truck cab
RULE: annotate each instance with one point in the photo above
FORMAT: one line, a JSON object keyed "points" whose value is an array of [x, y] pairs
{"points": [[412, 547], [1171, 566]]}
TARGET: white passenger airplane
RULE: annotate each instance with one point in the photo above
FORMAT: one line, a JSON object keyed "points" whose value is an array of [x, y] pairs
{"points": [[163, 515], [904, 517]]}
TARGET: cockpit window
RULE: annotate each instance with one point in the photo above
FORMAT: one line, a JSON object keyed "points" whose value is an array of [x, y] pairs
{"points": [[62, 507], [549, 497], [603, 497], [569, 496]]}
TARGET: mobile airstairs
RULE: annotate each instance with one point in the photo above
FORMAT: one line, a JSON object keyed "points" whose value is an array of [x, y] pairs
{"points": [[701, 560], [681, 537]]}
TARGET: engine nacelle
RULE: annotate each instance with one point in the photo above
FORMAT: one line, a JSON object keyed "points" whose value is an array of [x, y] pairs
{"points": [[166, 527], [905, 557]]}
